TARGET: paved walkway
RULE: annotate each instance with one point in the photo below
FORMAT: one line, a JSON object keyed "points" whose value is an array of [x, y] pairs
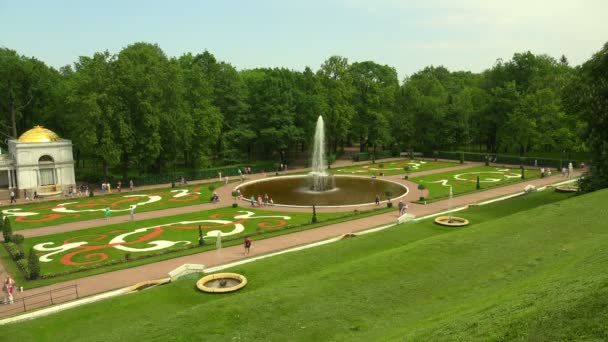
{"points": [[122, 278]]}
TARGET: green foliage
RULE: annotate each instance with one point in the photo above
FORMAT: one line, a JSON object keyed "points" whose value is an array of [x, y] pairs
{"points": [[593, 104], [17, 239], [478, 186], [201, 238], [33, 265], [7, 230], [14, 250]]}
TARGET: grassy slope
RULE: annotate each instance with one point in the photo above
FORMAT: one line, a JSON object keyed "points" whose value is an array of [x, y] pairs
{"points": [[532, 275]]}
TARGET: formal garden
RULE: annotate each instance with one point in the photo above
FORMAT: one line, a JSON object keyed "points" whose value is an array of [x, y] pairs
{"points": [[390, 168], [516, 254], [79, 208], [470, 180], [336, 145]]}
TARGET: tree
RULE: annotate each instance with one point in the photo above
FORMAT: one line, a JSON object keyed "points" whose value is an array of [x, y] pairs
{"points": [[338, 91], [374, 101], [101, 130], [594, 110]]}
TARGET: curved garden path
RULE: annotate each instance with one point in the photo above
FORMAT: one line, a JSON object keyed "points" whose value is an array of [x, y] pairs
{"points": [[122, 278]]}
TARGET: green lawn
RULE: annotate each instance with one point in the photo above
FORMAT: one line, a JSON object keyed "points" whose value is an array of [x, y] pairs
{"points": [[84, 252], [465, 181], [391, 168], [513, 274], [42, 214]]}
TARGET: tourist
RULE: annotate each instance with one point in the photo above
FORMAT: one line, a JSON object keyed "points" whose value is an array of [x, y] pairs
{"points": [[132, 213], [247, 245], [402, 208], [270, 201], [108, 212], [226, 180], [564, 170], [24, 193], [131, 184], [377, 200], [260, 201], [548, 172], [103, 187], [215, 198], [265, 199], [542, 172], [109, 188], [35, 194], [570, 170], [13, 200], [119, 186], [241, 175], [252, 201], [9, 287]]}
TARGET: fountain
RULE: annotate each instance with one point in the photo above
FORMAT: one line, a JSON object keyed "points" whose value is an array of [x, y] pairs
{"points": [[221, 283], [320, 180], [451, 221], [320, 187]]}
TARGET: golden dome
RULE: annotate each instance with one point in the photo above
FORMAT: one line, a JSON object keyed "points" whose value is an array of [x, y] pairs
{"points": [[38, 134]]}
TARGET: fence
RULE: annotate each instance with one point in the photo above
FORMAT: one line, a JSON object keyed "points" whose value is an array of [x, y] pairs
{"points": [[40, 300]]}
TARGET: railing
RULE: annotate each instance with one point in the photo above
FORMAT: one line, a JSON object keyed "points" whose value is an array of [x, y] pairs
{"points": [[40, 300]]}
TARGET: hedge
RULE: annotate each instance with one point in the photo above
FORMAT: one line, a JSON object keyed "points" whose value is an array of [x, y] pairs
{"points": [[503, 159]]}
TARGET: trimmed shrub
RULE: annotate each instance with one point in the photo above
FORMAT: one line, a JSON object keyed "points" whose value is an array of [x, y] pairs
{"points": [[17, 238], [314, 215], [15, 251], [23, 265], [7, 230], [478, 185], [33, 264]]}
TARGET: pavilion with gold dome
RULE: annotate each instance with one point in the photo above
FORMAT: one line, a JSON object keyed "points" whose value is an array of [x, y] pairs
{"points": [[39, 160]]}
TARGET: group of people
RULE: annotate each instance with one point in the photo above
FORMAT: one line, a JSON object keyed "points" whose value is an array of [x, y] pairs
{"points": [[261, 201], [107, 186]]}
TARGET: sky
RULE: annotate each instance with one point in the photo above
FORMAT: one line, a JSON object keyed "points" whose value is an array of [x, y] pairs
{"points": [[407, 35]]}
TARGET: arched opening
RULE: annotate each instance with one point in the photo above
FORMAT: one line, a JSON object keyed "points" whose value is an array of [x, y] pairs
{"points": [[46, 166]]}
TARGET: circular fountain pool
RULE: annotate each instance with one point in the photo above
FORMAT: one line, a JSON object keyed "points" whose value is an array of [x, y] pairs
{"points": [[348, 191]]}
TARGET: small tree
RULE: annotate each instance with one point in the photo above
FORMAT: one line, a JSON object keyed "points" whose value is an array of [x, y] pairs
{"points": [[33, 264], [7, 230], [388, 195], [235, 196], [314, 214], [201, 239], [478, 185]]}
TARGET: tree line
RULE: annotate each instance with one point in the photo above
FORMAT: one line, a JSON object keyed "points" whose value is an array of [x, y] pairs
{"points": [[141, 110]]}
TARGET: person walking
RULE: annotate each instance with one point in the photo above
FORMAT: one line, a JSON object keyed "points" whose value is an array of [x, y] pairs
{"points": [[247, 245], [13, 200], [131, 185], [377, 200], [8, 288], [108, 212], [132, 213]]}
